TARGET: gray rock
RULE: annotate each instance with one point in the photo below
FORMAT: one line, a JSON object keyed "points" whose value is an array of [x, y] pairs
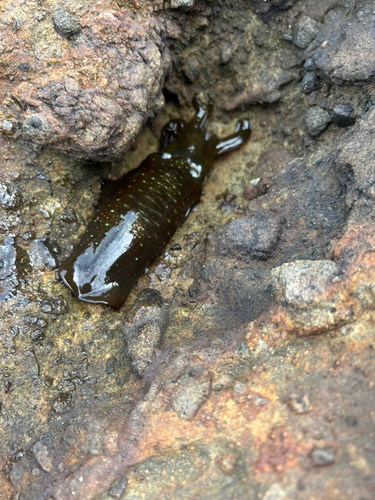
{"points": [[43, 456], [190, 395], [310, 82], [343, 50], [40, 256], [343, 115], [309, 65], [303, 280], [275, 492], [316, 120], [304, 32], [144, 324], [256, 235], [322, 456], [9, 196], [118, 488], [357, 151], [65, 23], [181, 4]]}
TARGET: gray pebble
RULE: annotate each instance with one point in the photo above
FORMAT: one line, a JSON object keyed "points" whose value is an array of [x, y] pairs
{"points": [[322, 456], [316, 120], [256, 235], [65, 23], [9, 196], [144, 325], [343, 115], [43, 456], [304, 32], [227, 52], [190, 395], [310, 82], [181, 4], [309, 65]]}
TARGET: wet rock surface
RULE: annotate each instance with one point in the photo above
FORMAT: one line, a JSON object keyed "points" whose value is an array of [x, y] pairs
{"points": [[144, 326], [248, 371]]}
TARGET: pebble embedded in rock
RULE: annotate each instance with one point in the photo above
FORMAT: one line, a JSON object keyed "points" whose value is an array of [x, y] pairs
{"points": [[309, 65], [144, 325], [303, 280], [250, 192], [9, 196], [322, 456], [190, 394], [7, 127], [343, 115], [65, 23], [299, 404], [316, 120], [256, 235], [304, 31], [43, 456], [310, 82], [40, 256], [181, 4]]}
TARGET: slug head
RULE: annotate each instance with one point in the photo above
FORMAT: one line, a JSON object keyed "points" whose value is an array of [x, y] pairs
{"points": [[191, 141]]}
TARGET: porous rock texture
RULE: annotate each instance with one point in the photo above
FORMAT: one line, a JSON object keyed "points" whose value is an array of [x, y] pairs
{"points": [[85, 77], [247, 372]]}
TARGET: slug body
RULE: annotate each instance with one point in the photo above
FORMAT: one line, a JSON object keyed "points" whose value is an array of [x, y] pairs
{"points": [[138, 214]]}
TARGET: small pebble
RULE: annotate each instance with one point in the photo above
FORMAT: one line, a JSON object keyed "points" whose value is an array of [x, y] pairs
{"points": [[299, 404], [316, 120], [321, 457], [310, 82], [309, 65], [343, 115], [65, 23], [7, 127]]}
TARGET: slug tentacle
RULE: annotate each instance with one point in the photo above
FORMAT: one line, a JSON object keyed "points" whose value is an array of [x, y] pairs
{"points": [[138, 214], [234, 141]]}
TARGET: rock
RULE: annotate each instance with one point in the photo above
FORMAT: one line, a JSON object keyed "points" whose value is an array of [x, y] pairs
{"points": [[118, 488], [250, 192], [343, 115], [144, 325], [40, 255], [43, 456], [227, 463], [275, 492], [304, 31], [227, 52], [6, 127], [316, 120], [321, 457], [303, 280], [184, 4], [9, 196], [299, 404], [190, 394], [97, 112], [256, 235], [343, 50], [309, 65], [310, 82], [66, 24], [357, 151]]}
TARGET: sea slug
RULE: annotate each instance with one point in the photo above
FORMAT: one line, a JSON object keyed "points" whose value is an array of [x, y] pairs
{"points": [[138, 214]]}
